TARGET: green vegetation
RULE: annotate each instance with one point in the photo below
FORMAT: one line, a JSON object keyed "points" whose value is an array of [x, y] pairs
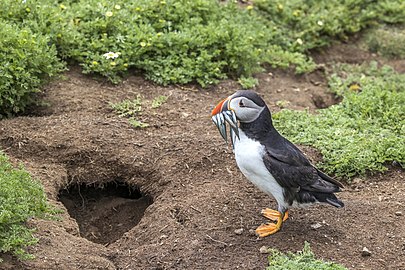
{"points": [[204, 41], [363, 132], [21, 198], [158, 101], [172, 41], [304, 25], [302, 260], [131, 109], [137, 124], [27, 62], [282, 103], [248, 83], [128, 108], [387, 41]]}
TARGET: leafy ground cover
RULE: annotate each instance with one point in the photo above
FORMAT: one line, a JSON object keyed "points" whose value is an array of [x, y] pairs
{"points": [[362, 133], [21, 198], [132, 109], [27, 62], [302, 260], [179, 41], [386, 41], [312, 24]]}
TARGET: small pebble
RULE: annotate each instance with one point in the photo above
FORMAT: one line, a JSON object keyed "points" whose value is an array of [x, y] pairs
{"points": [[316, 226], [264, 250], [239, 231], [252, 232], [357, 181], [316, 83], [399, 213], [365, 252]]}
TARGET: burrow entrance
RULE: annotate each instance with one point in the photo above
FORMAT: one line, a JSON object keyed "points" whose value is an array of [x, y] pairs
{"points": [[105, 213]]}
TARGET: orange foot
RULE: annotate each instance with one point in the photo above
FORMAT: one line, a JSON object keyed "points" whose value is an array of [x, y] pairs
{"points": [[267, 229], [271, 228]]}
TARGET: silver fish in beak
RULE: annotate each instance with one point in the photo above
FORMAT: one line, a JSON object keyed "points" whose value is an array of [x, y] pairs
{"points": [[221, 115]]}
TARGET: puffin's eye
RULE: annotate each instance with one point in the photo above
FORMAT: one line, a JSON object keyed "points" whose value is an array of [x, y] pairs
{"points": [[241, 104]]}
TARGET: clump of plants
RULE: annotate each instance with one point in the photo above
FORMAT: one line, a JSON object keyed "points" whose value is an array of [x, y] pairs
{"points": [[159, 101], [302, 260], [27, 62], [247, 83], [170, 41], [131, 109], [21, 198], [363, 133], [305, 25], [386, 41]]}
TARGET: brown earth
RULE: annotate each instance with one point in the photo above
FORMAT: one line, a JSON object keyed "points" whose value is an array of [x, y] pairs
{"points": [[107, 174]]}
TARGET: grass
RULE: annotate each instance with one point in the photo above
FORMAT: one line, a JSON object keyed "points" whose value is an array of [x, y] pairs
{"points": [[21, 198], [363, 133], [302, 260]]}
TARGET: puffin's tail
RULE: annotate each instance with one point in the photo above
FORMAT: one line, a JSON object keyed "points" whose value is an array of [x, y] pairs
{"points": [[321, 197], [322, 190], [329, 198]]}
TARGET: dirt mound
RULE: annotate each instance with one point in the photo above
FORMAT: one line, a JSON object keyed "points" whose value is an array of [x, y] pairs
{"points": [[77, 145]]}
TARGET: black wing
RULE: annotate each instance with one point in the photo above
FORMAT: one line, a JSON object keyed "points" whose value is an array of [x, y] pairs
{"points": [[292, 169]]}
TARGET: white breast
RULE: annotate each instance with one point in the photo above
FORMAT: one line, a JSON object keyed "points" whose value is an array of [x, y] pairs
{"points": [[248, 155]]}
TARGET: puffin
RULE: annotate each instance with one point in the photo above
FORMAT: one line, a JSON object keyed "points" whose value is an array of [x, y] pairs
{"points": [[270, 161]]}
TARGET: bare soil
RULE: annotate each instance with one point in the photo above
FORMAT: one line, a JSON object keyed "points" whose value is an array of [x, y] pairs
{"points": [[170, 196]]}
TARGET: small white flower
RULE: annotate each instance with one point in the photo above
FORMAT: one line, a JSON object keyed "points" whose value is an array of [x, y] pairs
{"points": [[299, 41], [24, 1], [320, 23], [117, 7], [111, 55], [108, 14]]}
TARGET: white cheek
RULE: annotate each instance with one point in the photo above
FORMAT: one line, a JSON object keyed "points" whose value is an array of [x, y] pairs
{"points": [[250, 114], [247, 114]]}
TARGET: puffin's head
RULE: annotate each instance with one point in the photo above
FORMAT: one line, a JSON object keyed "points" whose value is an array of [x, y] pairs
{"points": [[244, 106]]}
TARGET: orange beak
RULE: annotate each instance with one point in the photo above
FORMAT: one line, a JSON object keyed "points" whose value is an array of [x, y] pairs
{"points": [[222, 106]]}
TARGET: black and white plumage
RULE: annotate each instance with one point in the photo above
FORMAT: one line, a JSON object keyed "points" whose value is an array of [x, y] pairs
{"points": [[270, 161]]}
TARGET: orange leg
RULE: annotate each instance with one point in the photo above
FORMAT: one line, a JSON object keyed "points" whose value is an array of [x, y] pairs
{"points": [[271, 228], [273, 214]]}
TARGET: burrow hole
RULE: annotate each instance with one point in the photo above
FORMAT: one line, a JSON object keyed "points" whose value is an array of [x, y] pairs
{"points": [[104, 213]]}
